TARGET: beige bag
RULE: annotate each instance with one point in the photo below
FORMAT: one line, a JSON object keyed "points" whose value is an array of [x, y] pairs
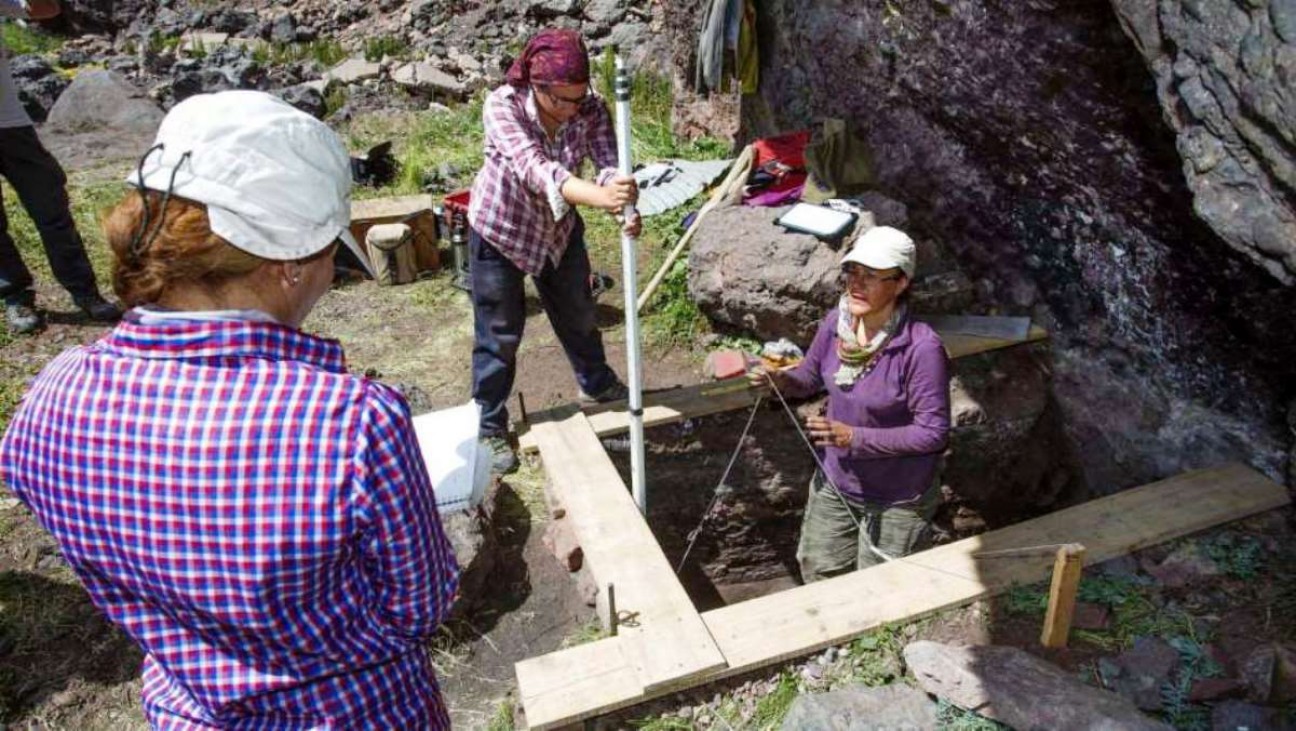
{"points": [[391, 251]]}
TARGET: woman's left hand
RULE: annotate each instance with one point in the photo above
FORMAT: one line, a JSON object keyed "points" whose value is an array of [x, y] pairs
{"points": [[827, 433], [632, 228]]}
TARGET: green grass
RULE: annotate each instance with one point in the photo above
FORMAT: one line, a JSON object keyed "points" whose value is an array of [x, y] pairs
{"points": [[950, 717], [380, 47], [771, 709], [503, 718], [22, 40], [876, 656]]}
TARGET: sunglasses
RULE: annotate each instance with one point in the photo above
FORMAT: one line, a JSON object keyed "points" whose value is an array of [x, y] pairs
{"points": [[566, 100]]}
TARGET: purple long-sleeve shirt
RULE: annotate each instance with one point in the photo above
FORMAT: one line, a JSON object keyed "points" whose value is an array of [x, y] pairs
{"points": [[899, 412]]}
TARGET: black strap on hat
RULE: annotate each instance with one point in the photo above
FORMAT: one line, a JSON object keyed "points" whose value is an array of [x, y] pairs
{"points": [[139, 243]]}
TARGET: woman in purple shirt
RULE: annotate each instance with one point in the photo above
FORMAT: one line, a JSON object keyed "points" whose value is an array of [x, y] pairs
{"points": [[887, 419]]}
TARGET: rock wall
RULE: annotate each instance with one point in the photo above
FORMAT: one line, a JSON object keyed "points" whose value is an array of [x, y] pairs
{"points": [[1027, 138], [1226, 77]]}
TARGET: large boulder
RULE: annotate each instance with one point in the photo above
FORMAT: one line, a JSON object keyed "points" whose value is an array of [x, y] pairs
{"points": [[1018, 689], [1226, 78], [104, 100], [750, 275]]}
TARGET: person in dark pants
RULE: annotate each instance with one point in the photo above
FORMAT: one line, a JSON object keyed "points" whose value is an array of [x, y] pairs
{"points": [[540, 127], [42, 187]]}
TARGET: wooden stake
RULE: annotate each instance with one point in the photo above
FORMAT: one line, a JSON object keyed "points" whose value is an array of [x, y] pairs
{"points": [[1062, 595]]}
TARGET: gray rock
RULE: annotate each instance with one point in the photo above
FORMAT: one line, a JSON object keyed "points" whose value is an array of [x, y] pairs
{"points": [[858, 708], [1225, 79], [477, 551], [606, 12], [306, 98], [746, 273], [284, 29], [548, 9], [1270, 673], [1188, 563], [355, 70], [39, 86], [104, 100], [1142, 670], [1239, 716], [1010, 686], [424, 77]]}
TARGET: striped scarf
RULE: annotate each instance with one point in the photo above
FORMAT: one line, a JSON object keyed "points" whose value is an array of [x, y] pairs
{"points": [[857, 359]]}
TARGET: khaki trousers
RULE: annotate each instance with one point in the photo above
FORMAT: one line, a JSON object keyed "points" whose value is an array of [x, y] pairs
{"points": [[832, 544]]}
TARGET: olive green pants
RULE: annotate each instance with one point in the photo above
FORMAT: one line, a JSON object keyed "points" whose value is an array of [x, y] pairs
{"points": [[832, 543]]}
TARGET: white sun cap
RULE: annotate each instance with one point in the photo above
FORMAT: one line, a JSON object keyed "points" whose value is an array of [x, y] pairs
{"points": [[883, 247], [275, 180]]}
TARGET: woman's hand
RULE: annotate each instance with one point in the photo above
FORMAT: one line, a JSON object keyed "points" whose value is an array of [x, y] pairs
{"points": [[762, 377], [827, 433], [633, 227], [619, 192]]}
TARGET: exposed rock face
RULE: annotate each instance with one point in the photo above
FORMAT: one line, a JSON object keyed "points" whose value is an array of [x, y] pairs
{"points": [[1027, 139], [1226, 77]]}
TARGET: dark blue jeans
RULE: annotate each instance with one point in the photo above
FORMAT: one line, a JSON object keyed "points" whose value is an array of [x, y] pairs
{"points": [[499, 316], [41, 186]]}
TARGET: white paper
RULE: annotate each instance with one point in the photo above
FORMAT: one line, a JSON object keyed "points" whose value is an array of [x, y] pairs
{"points": [[815, 220], [448, 441]]}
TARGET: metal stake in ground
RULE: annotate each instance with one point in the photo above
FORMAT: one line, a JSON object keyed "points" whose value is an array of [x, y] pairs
{"points": [[629, 284]]}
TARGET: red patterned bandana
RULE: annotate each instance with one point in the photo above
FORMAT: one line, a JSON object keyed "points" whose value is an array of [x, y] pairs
{"points": [[552, 57]]}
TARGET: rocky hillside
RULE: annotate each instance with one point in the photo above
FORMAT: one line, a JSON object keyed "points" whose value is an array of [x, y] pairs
{"points": [[404, 54]]}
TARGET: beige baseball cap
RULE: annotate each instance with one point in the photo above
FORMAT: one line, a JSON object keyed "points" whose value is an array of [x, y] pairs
{"points": [[883, 247], [275, 180]]}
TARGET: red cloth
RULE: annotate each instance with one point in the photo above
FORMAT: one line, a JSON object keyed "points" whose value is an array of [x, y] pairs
{"points": [[783, 156], [553, 56]]}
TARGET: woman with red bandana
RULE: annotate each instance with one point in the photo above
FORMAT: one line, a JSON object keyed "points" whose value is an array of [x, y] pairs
{"points": [[540, 127]]}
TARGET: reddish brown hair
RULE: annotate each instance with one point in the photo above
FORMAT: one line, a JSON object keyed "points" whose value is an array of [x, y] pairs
{"points": [[184, 252]]}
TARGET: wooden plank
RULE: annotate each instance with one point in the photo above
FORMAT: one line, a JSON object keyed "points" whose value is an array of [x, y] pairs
{"points": [[800, 621], [794, 623], [555, 689], [621, 549], [688, 402], [1062, 595]]}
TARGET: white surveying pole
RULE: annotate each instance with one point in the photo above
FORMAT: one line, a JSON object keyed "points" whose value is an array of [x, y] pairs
{"points": [[629, 283]]}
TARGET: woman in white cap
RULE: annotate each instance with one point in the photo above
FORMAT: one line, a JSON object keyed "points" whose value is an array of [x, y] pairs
{"points": [[887, 415], [258, 519]]}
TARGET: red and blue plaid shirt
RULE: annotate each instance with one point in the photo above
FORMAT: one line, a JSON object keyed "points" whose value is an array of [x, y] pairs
{"points": [[516, 202], [258, 520]]}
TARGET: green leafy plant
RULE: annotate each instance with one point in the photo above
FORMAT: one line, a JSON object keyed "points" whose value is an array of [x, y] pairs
{"points": [[875, 656], [1239, 555], [771, 709]]}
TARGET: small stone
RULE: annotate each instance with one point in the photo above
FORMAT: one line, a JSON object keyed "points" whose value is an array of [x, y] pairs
{"points": [[1091, 616], [1213, 689]]}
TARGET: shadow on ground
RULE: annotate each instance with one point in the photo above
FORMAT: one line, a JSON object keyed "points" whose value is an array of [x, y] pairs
{"points": [[52, 635]]}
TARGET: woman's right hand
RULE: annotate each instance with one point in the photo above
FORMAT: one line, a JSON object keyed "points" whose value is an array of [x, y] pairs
{"points": [[763, 377], [619, 192]]}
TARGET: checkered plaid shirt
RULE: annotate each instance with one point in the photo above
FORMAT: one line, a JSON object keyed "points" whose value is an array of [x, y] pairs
{"points": [[516, 203], [257, 519]]}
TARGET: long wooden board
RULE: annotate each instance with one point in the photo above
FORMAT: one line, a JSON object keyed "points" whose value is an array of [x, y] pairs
{"points": [[800, 621], [622, 550], [687, 402]]}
